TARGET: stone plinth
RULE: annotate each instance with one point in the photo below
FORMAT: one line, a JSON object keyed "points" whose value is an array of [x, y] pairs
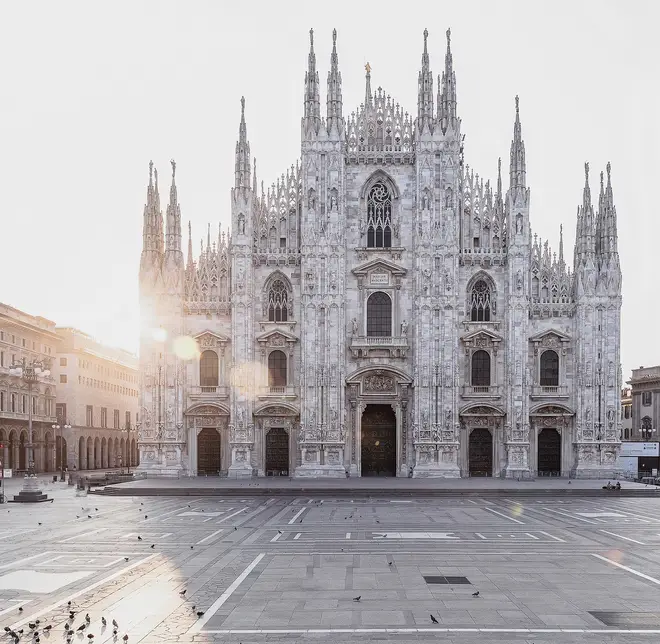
{"points": [[30, 492]]}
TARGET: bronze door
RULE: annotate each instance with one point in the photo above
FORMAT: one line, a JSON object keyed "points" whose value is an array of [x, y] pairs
{"points": [[277, 452], [549, 442], [378, 441], [208, 452], [481, 453]]}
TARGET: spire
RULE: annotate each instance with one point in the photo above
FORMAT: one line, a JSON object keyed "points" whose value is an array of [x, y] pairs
{"points": [[584, 233], [312, 100], [208, 239], [368, 95], [148, 218], [158, 216], [425, 90], [517, 167], [242, 169], [334, 100], [447, 91], [608, 215], [561, 245], [254, 178], [189, 265], [173, 241]]}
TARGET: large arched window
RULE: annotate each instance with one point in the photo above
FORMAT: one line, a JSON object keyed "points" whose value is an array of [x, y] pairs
{"points": [[481, 368], [379, 315], [549, 369], [278, 299], [208, 369], [379, 216], [481, 305], [277, 369]]}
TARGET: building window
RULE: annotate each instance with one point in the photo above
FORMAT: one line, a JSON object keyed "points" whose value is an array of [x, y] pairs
{"points": [[104, 417], [24, 404], [208, 369], [379, 217], [277, 369], [60, 413], [626, 411], [62, 362], [2, 400], [34, 404], [480, 302], [63, 379], [379, 315], [646, 398], [115, 419], [2, 358], [277, 302], [24, 343], [549, 369], [13, 402], [128, 420], [89, 413], [626, 433], [481, 368]]}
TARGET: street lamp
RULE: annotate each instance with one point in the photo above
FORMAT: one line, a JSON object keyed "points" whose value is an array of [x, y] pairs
{"points": [[30, 372], [62, 452]]}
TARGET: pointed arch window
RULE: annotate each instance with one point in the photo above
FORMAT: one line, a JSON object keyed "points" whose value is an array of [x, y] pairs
{"points": [[480, 368], [278, 300], [379, 216], [481, 304], [379, 315], [208, 369], [549, 369], [277, 369]]}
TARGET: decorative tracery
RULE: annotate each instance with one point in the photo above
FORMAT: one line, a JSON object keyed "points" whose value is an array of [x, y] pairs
{"points": [[278, 299], [379, 216], [481, 303]]}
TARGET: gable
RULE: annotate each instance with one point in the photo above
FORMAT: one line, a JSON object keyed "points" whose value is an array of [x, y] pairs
{"points": [[550, 338], [276, 338], [481, 338], [210, 339], [376, 268]]}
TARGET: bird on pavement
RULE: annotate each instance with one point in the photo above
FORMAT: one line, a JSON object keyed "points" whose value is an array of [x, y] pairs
{"points": [[153, 545], [434, 620], [125, 638], [88, 619], [200, 613], [32, 625], [90, 636], [47, 628], [357, 599], [279, 532], [89, 516], [103, 621], [125, 558], [475, 594], [68, 603], [191, 547], [146, 516], [82, 627], [114, 623], [182, 592], [20, 609], [70, 632], [139, 538]]}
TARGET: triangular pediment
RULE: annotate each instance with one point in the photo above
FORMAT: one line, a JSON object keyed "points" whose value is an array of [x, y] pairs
{"points": [[379, 265], [210, 338], [548, 334], [276, 337], [482, 334]]}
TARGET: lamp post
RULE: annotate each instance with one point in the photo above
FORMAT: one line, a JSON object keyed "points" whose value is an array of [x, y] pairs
{"points": [[62, 452], [30, 372]]}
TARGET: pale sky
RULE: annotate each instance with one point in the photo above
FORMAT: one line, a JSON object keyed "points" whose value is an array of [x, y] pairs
{"points": [[91, 93]]}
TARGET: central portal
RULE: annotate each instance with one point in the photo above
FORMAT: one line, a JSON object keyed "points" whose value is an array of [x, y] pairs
{"points": [[378, 452], [208, 452], [277, 452]]}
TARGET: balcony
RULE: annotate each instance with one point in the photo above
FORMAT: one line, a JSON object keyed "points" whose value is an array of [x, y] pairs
{"points": [[36, 418], [209, 393], [482, 392], [278, 392], [548, 392], [379, 347]]}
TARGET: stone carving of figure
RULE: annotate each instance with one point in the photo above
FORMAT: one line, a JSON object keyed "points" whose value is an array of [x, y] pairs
{"points": [[518, 419], [519, 225], [311, 199], [241, 415], [362, 226], [395, 230], [404, 328], [448, 282], [333, 279], [333, 202], [447, 419], [312, 418], [610, 374], [519, 281], [333, 415], [169, 415], [354, 326], [241, 225], [610, 415], [588, 414]]}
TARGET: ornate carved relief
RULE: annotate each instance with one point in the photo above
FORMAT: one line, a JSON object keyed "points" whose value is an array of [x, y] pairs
{"points": [[378, 382]]}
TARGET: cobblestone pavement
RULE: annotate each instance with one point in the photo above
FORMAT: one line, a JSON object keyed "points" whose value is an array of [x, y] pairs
{"points": [[289, 569]]}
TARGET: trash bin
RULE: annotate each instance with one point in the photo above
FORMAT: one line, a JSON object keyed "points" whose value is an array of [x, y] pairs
{"points": [[55, 478]]}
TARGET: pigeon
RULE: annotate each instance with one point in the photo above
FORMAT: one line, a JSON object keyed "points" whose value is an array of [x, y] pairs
{"points": [[153, 545], [139, 538], [67, 626], [47, 628], [89, 516], [68, 603], [191, 547], [82, 627], [90, 636], [125, 558], [69, 632], [146, 516], [357, 599], [77, 517], [36, 640], [7, 629], [114, 623], [103, 621], [200, 613], [182, 592], [193, 608], [235, 528], [96, 509], [32, 625], [434, 620], [389, 563], [125, 638], [279, 532], [39, 523], [88, 619], [143, 504], [475, 594], [114, 632], [20, 609]]}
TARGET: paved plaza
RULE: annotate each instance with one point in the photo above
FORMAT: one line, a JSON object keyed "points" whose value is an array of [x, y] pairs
{"points": [[558, 569]]}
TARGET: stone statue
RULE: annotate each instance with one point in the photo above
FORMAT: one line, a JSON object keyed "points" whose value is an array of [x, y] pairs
{"points": [[333, 202], [404, 328], [519, 281], [588, 414], [519, 225], [241, 225], [354, 326]]}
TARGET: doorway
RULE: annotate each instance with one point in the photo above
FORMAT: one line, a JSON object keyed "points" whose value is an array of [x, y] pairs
{"points": [[378, 451], [277, 452], [480, 457], [208, 452], [549, 455]]}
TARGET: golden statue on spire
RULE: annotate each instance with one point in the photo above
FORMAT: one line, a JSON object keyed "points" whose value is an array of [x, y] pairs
{"points": [[368, 68]]}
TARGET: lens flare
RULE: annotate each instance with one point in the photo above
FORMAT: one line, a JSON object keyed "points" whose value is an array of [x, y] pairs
{"points": [[185, 347], [159, 334], [615, 555], [517, 510], [249, 379]]}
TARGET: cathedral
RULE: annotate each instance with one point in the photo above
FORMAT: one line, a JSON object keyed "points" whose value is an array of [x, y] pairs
{"points": [[380, 310]]}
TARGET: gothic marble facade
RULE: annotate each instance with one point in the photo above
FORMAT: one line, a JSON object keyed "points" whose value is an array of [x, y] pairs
{"points": [[380, 309]]}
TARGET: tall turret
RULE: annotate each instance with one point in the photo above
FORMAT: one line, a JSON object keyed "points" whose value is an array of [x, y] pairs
{"points": [[152, 227], [312, 103], [517, 165], [447, 92], [242, 161], [585, 239], [334, 101], [173, 238], [425, 92]]}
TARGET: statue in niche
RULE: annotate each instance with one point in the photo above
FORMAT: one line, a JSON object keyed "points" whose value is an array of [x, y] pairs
{"points": [[404, 328], [519, 281], [333, 415], [425, 201], [311, 199], [333, 202], [448, 282], [447, 419], [354, 326], [241, 225], [241, 415], [312, 418], [519, 225], [588, 414]]}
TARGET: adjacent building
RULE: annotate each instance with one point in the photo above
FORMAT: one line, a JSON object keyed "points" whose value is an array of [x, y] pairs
{"points": [[381, 309], [98, 398], [626, 414], [25, 340]]}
